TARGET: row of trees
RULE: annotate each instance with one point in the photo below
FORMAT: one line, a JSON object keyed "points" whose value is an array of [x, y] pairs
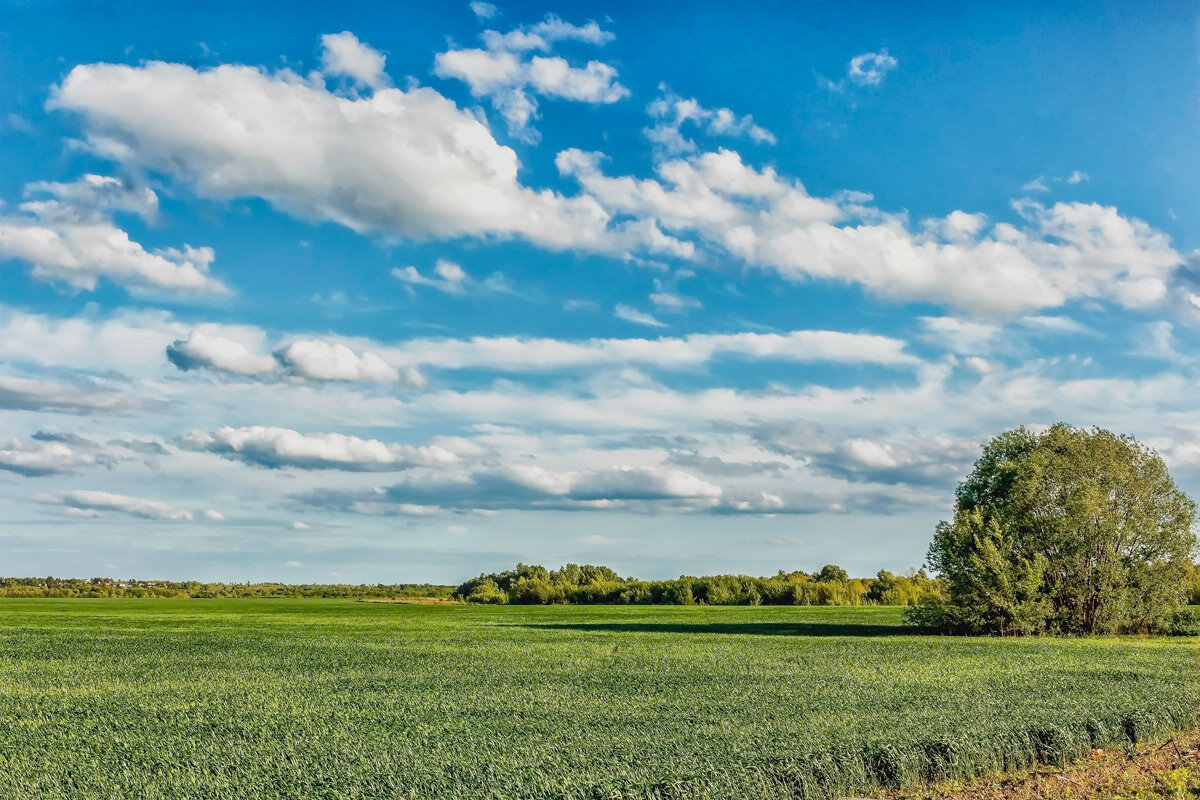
{"points": [[111, 587], [590, 584], [584, 584]]}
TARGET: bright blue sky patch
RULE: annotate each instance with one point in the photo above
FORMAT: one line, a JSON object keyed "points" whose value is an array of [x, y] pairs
{"points": [[410, 293]]}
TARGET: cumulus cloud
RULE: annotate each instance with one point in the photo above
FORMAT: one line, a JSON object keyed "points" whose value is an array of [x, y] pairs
{"points": [[404, 162], [899, 459], [205, 351], [314, 360], [1061, 252], [343, 55], [54, 454], [90, 198], [1180, 446], [510, 77], [318, 360], [93, 503], [70, 238], [413, 163], [281, 447], [672, 112]]}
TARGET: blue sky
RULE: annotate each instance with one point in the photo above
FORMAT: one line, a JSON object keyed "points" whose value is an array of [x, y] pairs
{"points": [[403, 292]]}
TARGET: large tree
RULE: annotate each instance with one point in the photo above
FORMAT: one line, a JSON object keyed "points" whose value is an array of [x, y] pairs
{"points": [[1065, 531]]}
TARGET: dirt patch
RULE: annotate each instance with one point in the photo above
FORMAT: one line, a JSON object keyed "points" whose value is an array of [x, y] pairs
{"points": [[1167, 769]]}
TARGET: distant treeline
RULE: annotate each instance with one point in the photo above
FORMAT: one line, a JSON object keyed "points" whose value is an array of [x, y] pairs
{"points": [[112, 587], [588, 584], [536, 585]]}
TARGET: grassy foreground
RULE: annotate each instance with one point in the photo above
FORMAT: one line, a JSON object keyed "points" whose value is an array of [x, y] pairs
{"points": [[333, 699]]}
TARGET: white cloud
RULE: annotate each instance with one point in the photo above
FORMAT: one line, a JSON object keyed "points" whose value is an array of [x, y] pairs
{"points": [[403, 162], [527, 486], [504, 71], [869, 69], [482, 10], [451, 278], [671, 112], [1180, 446], [202, 350], [282, 447], [1054, 324], [1038, 184], [980, 366], [318, 360], [364, 360], [537, 354], [92, 502], [1062, 252], [213, 515], [902, 459], [126, 341], [673, 302], [414, 164], [962, 336], [632, 483], [70, 238], [315, 360], [630, 314], [48, 457], [90, 197], [344, 55], [29, 394]]}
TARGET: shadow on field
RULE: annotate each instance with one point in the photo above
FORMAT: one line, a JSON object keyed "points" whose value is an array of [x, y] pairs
{"points": [[745, 628]]}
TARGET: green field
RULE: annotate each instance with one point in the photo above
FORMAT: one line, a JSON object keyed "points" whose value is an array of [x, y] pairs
{"points": [[335, 699]]}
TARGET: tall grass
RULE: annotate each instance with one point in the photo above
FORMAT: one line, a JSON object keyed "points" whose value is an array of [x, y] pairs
{"points": [[327, 699]]}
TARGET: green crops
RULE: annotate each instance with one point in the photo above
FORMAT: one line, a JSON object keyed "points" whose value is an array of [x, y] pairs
{"points": [[331, 699]]}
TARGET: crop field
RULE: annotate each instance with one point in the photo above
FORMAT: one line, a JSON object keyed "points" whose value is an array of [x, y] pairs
{"points": [[335, 699]]}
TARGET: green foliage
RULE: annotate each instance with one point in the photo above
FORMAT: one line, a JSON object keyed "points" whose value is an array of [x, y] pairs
{"points": [[1066, 531], [110, 587], [273, 699], [592, 585]]}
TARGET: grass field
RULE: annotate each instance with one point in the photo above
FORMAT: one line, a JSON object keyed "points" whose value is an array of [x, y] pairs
{"points": [[331, 699]]}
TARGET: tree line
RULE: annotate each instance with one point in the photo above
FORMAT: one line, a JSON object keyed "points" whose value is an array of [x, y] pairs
{"points": [[113, 587], [572, 583], [593, 585]]}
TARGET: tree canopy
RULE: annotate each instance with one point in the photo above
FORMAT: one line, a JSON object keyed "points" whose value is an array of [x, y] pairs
{"points": [[1065, 531]]}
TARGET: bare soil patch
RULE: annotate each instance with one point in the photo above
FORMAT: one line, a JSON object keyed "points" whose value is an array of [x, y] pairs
{"points": [[1167, 769]]}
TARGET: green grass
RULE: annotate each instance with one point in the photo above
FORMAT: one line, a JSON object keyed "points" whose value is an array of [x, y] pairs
{"points": [[332, 699]]}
